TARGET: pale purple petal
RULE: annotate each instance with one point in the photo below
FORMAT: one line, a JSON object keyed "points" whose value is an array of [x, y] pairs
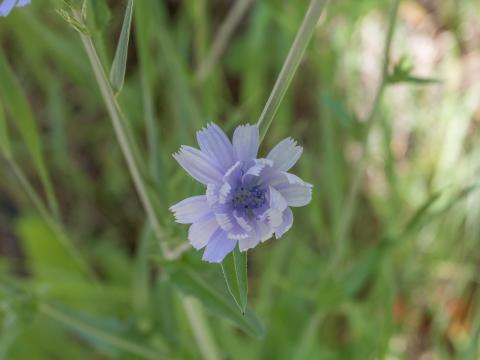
{"points": [[233, 174], [224, 193], [201, 231], [246, 140], [6, 7], [256, 171], [213, 142], [198, 165], [249, 242], [286, 225], [285, 154], [212, 194], [224, 221], [218, 247], [191, 209], [22, 3], [277, 201], [296, 194]]}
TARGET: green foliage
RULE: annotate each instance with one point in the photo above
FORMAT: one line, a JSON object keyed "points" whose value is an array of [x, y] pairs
{"points": [[234, 269], [93, 279]]}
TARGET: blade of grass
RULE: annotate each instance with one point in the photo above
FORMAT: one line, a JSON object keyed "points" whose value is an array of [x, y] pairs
{"points": [[222, 38], [51, 221], [199, 325], [4, 137], [14, 99], [291, 64], [117, 73], [143, 25], [78, 324]]}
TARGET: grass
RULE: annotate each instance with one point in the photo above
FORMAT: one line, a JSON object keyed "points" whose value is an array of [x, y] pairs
{"points": [[382, 264]]}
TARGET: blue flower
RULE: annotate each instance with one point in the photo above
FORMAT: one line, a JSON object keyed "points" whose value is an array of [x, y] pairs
{"points": [[7, 6], [247, 200]]}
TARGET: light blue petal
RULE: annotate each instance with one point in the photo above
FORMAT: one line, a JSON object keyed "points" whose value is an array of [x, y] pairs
{"points": [[257, 170], [286, 225], [6, 7], [213, 142], [248, 243], [22, 3], [295, 191], [285, 154], [218, 247], [191, 209], [198, 165], [277, 200], [201, 231], [246, 140]]}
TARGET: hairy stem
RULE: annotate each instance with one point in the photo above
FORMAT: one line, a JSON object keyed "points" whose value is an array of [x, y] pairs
{"points": [[291, 64], [118, 122]]}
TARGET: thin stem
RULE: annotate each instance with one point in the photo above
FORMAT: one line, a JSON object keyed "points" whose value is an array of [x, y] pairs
{"points": [[352, 197], [291, 64], [90, 330], [50, 220], [223, 36], [200, 329], [118, 121]]}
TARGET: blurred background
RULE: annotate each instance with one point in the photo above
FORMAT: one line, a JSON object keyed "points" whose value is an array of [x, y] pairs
{"points": [[391, 275]]}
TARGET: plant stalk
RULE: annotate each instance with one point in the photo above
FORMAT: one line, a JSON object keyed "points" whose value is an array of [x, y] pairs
{"points": [[290, 65]]}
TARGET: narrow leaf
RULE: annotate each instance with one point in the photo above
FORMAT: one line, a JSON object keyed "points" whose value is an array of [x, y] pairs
{"points": [[234, 269], [117, 73], [12, 96], [4, 138], [214, 301]]}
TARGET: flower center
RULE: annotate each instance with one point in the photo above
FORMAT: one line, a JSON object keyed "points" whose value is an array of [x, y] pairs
{"points": [[248, 198]]}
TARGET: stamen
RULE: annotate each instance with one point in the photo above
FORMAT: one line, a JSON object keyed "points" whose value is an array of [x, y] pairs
{"points": [[248, 198]]}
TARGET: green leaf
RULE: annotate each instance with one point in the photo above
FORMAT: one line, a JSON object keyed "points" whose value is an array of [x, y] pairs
{"points": [[4, 138], [11, 94], [100, 331], [214, 301], [117, 73], [234, 269]]}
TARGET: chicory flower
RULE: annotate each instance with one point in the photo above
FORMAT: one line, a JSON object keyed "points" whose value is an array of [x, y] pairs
{"points": [[247, 199]]}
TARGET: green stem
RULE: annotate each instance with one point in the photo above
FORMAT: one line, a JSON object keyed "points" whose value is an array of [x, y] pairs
{"points": [[118, 122], [50, 220], [223, 36], [90, 330], [352, 197], [291, 64], [201, 332]]}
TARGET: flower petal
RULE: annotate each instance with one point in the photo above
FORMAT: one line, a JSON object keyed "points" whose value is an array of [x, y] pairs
{"points": [[218, 247], [198, 165], [296, 194], [249, 242], [246, 140], [201, 231], [286, 225], [213, 142], [6, 7], [257, 170], [277, 201], [191, 209], [22, 3], [285, 154]]}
